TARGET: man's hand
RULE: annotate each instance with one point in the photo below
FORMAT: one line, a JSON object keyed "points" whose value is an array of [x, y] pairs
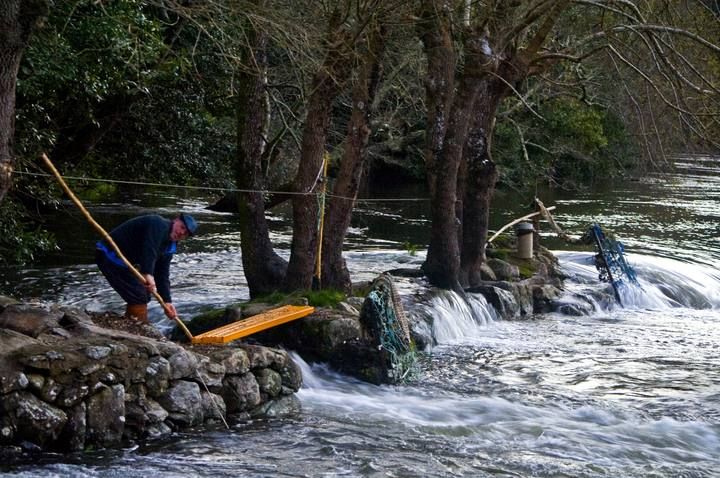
{"points": [[170, 311], [150, 283]]}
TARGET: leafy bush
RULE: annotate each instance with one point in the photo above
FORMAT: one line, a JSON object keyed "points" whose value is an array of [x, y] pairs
{"points": [[20, 240]]}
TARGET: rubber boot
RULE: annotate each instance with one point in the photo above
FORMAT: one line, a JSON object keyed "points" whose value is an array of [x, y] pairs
{"points": [[137, 312]]}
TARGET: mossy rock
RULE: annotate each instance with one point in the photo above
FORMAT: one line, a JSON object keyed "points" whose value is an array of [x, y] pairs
{"points": [[316, 298], [212, 319]]}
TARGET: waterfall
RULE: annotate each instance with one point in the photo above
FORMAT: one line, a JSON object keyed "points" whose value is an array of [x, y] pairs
{"points": [[454, 319], [664, 283]]}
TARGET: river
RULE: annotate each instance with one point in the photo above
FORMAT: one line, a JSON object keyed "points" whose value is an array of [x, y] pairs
{"points": [[631, 391]]}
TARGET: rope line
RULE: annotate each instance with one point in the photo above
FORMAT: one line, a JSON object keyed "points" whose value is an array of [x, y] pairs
{"points": [[223, 189]]}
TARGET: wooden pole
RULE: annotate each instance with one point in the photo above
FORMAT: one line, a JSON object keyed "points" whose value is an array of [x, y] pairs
{"points": [[106, 237], [323, 188]]}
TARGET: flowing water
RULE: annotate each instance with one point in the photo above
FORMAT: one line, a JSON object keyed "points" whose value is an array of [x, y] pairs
{"points": [[631, 391]]}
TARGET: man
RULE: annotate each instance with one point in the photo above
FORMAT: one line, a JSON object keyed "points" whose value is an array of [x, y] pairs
{"points": [[148, 243]]}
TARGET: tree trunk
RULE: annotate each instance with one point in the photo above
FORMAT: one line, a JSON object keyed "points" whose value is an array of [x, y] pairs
{"points": [[442, 265], [479, 183], [17, 19], [264, 269], [337, 220], [434, 29], [326, 85]]}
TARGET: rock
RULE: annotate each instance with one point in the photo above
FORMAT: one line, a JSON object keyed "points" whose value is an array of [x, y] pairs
{"points": [[214, 407], [240, 392], [50, 390], [154, 411], [36, 382], [291, 377], [348, 309], [235, 360], [7, 432], [96, 352], [106, 417], [284, 406], [500, 298], [159, 430], [183, 364], [28, 320], [72, 437], [269, 381], [11, 379], [544, 297], [486, 272], [211, 374], [5, 301], [11, 341], [264, 357], [72, 394], [33, 420], [355, 302], [504, 271], [72, 316], [141, 415], [183, 402], [157, 376]]}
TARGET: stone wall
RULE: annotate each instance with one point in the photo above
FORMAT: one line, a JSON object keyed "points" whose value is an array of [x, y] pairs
{"points": [[67, 384]]}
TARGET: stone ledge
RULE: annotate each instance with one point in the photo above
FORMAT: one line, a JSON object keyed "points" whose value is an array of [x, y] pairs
{"points": [[86, 387]]}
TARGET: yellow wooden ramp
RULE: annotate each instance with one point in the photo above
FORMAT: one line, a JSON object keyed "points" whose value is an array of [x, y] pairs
{"points": [[256, 323]]}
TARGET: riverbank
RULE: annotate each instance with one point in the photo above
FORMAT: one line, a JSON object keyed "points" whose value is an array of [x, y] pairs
{"points": [[74, 381], [68, 383]]}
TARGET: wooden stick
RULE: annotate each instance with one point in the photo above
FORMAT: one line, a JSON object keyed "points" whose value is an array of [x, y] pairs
{"points": [[502, 229], [323, 188], [106, 237]]}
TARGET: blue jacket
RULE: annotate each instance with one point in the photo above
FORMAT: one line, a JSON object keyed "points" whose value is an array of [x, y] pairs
{"points": [[145, 242]]}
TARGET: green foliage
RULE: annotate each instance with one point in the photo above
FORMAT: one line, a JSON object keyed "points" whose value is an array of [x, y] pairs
{"points": [[324, 297], [411, 248], [497, 252], [121, 79], [572, 144], [316, 298], [20, 241], [272, 298]]}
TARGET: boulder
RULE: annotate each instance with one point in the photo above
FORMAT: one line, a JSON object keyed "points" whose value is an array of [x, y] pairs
{"points": [[11, 379], [269, 381], [240, 392], [106, 416], [157, 376], [504, 271], [183, 364], [183, 402], [291, 377], [29, 320], [72, 437], [235, 360], [32, 419], [214, 407], [284, 406], [5, 301], [211, 374], [264, 357]]}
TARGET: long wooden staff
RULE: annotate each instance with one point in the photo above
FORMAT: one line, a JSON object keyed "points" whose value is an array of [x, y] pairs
{"points": [[109, 240]]}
